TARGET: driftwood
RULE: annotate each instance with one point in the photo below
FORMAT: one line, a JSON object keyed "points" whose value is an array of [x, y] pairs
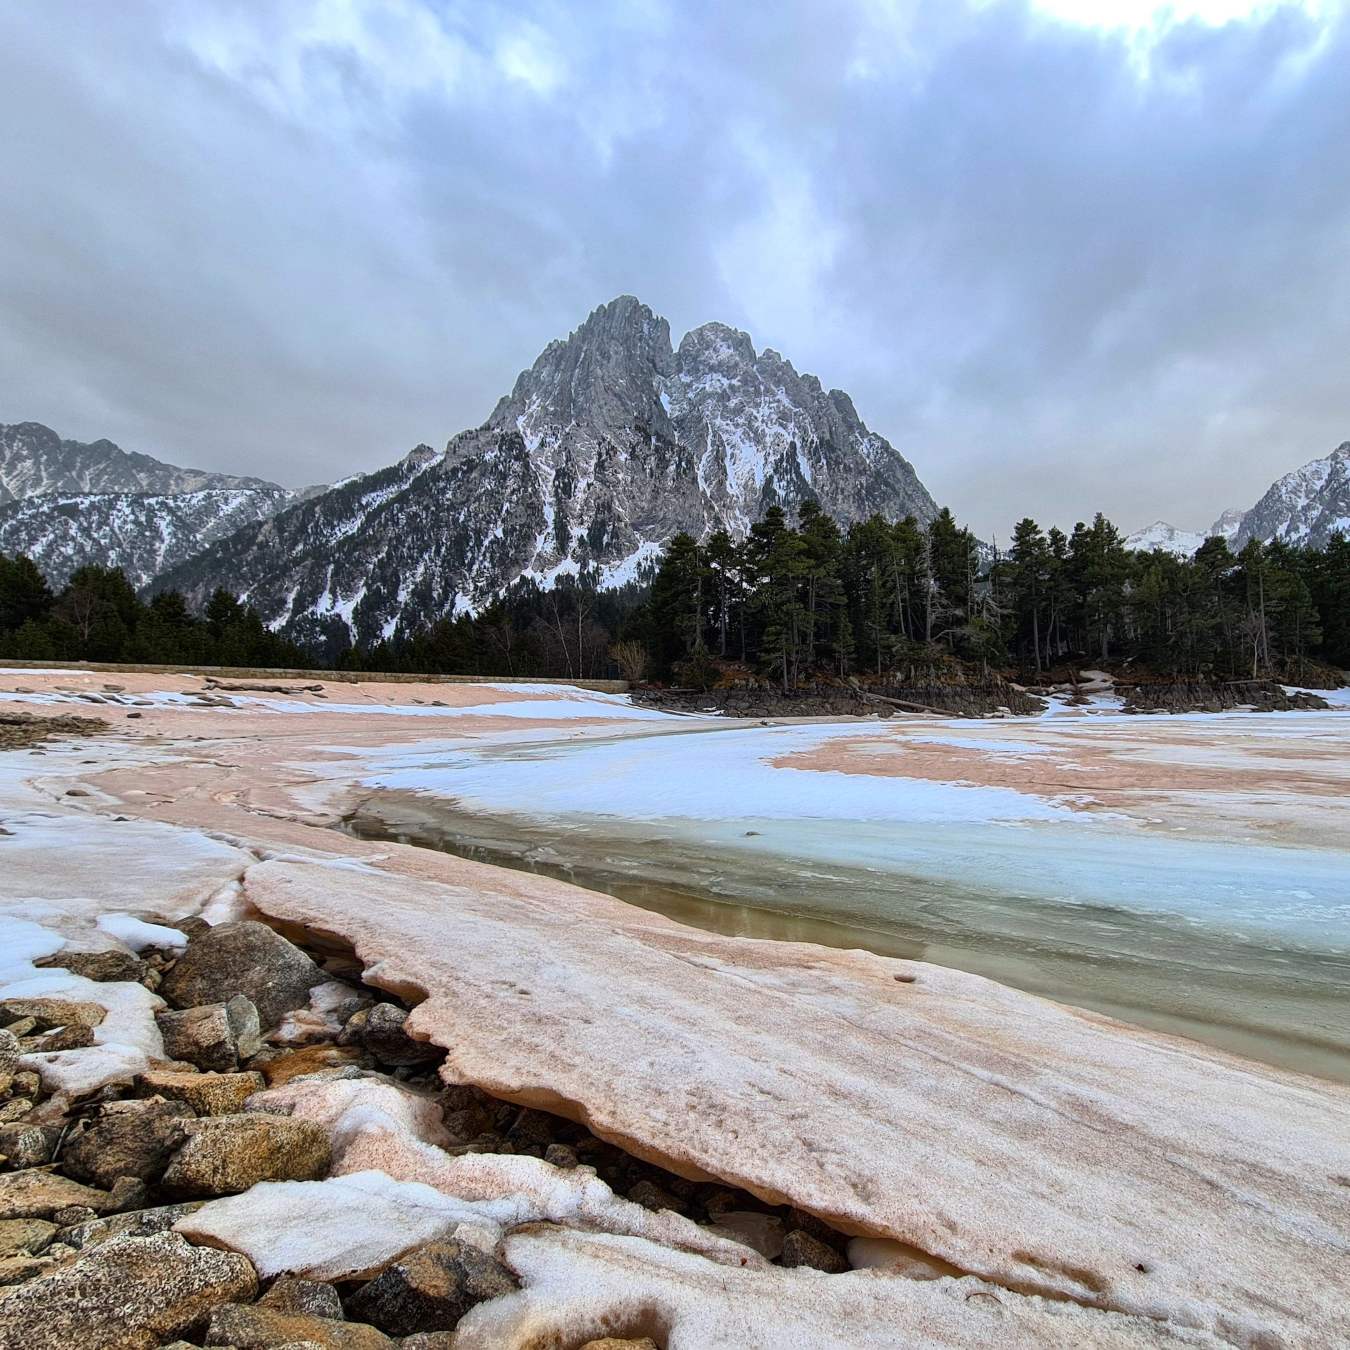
{"points": [[900, 702], [247, 687]]}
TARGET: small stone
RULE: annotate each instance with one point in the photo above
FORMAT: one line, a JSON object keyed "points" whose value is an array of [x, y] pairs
{"points": [[310, 1059], [561, 1155], [223, 1155], [25, 1026], [214, 1036], [208, 1094], [102, 967], [26, 1084], [38, 1194], [129, 1193], [134, 1223], [28, 1144], [650, 1196], [9, 1059], [127, 1139], [15, 1109], [431, 1288], [314, 1298], [354, 1029], [763, 1232], [25, 1236], [533, 1127], [50, 1013], [74, 1214], [619, 1343], [128, 1294], [801, 1249], [17, 1269], [384, 1036], [244, 957]]}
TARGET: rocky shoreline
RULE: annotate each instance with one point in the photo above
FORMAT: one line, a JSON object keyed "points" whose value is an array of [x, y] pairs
{"points": [[98, 1188]]}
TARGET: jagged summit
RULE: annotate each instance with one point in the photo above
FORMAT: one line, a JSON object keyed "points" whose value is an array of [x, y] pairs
{"points": [[607, 445]]}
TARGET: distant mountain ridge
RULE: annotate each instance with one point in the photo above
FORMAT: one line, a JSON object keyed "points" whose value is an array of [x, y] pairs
{"points": [[35, 461], [1305, 508], [142, 533], [608, 445]]}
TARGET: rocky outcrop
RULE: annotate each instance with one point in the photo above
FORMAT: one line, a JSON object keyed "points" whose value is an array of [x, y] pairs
{"points": [[1178, 696], [612, 442]]}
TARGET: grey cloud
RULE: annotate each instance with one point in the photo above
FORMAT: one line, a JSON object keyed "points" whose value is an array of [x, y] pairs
{"points": [[266, 241]]}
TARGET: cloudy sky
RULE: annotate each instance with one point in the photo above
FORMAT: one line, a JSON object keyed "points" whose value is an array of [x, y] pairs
{"points": [[1065, 254]]}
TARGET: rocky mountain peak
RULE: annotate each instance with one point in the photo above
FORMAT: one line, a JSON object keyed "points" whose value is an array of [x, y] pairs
{"points": [[607, 446]]}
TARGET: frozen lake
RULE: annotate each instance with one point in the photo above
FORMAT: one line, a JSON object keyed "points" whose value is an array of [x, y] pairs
{"points": [[1232, 927]]}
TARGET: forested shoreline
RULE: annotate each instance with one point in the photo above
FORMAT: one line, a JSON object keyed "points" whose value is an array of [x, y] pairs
{"points": [[793, 605]]}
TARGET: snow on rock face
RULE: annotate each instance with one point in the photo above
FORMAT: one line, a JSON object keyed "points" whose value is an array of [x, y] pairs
{"points": [[1305, 507], [577, 1286], [1166, 537], [1105, 1164], [143, 534], [606, 447]]}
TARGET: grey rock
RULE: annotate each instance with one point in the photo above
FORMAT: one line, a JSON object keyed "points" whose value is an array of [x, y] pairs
{"points": [[314, 1298], [384, 1037], [9, 1059], [801, 1249], [430, 1289], [103, 967], [265, 1328], [223, 1155], [38, 1194], [213, 1036], [134, 1223], [131, 1293], [243, 958], [126, 1139], [208, 1094], [31, 1236]]}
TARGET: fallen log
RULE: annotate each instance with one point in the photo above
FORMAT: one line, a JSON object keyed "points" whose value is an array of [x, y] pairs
{"points": [[901, 703], [248, 687]]}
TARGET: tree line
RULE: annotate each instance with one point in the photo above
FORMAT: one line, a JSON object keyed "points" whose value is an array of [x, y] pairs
{"points": [[791, 603]]}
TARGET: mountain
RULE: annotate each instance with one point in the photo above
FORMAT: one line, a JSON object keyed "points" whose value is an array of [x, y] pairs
{"points": [[612, 442], [1304, 507], [35, 461], [1166, 537], [142, 533]]}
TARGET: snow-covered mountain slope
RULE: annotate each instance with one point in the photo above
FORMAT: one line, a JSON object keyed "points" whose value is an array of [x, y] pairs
{"points": [[1166, 537], [35, 461], [1304, 507], [612, 442], [142, 533]]}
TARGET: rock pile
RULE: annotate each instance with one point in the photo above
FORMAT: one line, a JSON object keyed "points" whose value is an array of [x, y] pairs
{"points": [[92, 1185], [1180, 696]]}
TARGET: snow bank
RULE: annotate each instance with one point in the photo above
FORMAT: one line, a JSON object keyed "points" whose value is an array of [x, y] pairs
{"points": [[579, 1286], [1033, 1145]]}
